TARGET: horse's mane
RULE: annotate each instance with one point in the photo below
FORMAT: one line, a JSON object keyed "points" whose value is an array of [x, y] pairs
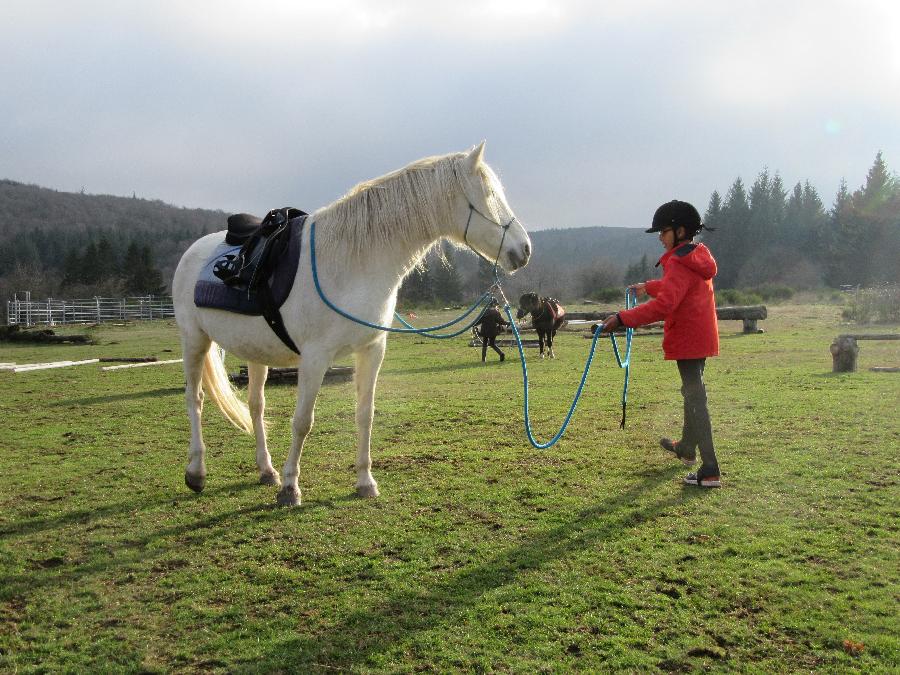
{"points": [[412, 204]]}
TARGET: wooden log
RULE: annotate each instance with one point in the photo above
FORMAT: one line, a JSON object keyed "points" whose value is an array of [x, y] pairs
{"points": [[588, 316], [42, 336], [621, 334], [127, 359], [289, 375], [28, 367], [844, 351], [885, 369], [872, 336], [141, 365], [507, 342], [749, 314]]}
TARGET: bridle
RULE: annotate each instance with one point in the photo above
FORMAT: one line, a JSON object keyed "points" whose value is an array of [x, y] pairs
{"points": [[473, 209]]}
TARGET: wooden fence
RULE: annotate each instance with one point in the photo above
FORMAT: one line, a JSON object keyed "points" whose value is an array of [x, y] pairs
{"points": [[28, 312]]}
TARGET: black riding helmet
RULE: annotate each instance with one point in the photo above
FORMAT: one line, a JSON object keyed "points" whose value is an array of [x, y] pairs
{"points": [[675, 214]]}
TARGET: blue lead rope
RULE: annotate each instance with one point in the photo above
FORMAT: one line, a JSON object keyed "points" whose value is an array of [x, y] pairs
{"points": [[630, 299], [426, 332]]}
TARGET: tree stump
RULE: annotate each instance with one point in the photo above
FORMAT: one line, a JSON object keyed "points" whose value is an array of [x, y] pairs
{"points": [[844, 351]]}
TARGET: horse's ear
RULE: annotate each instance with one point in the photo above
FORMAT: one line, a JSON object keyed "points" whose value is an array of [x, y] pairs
{"points": [[476, 156]]}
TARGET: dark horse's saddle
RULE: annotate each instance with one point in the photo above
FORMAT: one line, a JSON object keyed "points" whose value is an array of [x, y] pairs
{"points": [[552, 307], [253, 270]]}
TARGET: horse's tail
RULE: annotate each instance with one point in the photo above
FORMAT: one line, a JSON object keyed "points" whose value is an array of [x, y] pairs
{"points": [[219, 388]]}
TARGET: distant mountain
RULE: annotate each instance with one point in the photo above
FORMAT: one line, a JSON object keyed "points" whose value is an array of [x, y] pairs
{"points": [[29, 207], [586, 245], [41, 227]]}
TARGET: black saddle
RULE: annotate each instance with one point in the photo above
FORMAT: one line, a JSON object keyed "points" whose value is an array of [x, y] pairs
{"points": [[240, 227], [265, 243]]}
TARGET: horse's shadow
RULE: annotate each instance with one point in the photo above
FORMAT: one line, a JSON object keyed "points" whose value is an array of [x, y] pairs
{"points": [[433, 369], [116, 398], [351, 644], [133, 550]]}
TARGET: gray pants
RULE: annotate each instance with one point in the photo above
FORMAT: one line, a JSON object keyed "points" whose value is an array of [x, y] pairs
{"points": [[697, 430]]}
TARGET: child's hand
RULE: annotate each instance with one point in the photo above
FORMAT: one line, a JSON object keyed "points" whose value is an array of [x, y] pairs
{"points": [[611, 323], [640, 289]]}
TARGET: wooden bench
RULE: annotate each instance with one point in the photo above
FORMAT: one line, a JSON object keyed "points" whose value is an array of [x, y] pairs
{"points": [[844, 351], [749, 314], [289, 375]]}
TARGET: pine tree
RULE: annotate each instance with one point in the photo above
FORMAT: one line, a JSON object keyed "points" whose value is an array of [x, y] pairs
{"points": [[152, 278], [638, 272], [107, 265], [141, 275], [777, 197], [416, 288], [877, 220], [89, 265], [840, 262], [447, 284], [712, 219], [732, 235], [760, 200]]}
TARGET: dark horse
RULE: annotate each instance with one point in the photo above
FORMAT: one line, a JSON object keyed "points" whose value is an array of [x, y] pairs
{"points": [[547, 315]]}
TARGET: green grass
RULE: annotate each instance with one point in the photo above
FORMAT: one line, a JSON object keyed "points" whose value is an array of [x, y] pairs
{"points": [[482, 554]]}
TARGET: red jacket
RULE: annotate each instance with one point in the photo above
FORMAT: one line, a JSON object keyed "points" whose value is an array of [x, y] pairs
{"points": [[685, 300]]}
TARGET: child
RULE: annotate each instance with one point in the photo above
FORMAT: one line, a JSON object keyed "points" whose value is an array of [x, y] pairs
{"points": [[489, 328], [685, 300]]}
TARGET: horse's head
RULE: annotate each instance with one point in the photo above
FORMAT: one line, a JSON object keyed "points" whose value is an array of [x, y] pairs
{"points": [[491, 228], [527, 303]]}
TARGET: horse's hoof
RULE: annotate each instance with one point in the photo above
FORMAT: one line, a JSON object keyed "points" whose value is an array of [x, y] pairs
{"points": [[196, 483], [270, 478], [289, 496], [367, 490]]}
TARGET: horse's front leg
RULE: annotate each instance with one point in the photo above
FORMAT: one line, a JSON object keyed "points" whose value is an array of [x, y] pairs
{"points": [[194, 351], [368, 362], [550, 337], [256, 401], [540, 335], [309, 381]]}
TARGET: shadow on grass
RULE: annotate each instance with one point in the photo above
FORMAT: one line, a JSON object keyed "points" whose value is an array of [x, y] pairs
{"points": [[362, 635], [116, 398], [85, 516], [495, 362], [741, 334], [130, 551]]}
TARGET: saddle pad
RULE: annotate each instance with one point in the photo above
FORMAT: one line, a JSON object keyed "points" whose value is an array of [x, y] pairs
{"points": [[557, 311], [212, 292]]}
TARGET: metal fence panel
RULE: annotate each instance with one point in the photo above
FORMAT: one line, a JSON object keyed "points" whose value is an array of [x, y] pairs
{"points": [[28, 312]]}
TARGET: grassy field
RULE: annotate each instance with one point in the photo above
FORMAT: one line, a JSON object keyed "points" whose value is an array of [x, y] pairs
{"points": [[482, 554]]}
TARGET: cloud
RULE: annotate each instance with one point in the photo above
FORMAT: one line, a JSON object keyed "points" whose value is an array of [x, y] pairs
{"points": [[594, 112]]}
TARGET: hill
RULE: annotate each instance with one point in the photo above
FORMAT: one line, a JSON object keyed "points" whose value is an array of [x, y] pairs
{"points": [[48, 233]]}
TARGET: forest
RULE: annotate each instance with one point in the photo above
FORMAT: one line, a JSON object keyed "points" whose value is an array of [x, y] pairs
{"points": [[69, 245]]}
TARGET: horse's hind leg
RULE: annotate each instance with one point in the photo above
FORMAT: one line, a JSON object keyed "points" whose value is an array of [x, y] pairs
{"points": [[368, 362], [256, 401], [550, 337], [309, 381], [194, 351]]}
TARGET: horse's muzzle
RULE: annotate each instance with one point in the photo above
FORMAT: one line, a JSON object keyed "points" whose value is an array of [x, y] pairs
{"points": [[518, 259]]}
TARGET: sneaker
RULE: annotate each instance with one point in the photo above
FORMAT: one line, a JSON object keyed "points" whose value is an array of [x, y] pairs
{"points": [[706, 481], [672, 446]]}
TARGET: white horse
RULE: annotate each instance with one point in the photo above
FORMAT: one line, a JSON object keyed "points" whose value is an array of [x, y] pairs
{"points": [[367, 242]]}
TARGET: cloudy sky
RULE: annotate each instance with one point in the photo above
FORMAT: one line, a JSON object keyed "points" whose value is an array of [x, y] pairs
{"points": [[594, 112]]}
